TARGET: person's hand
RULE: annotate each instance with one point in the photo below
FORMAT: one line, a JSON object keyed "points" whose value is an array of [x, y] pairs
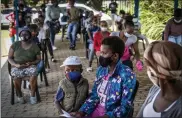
{"points": [[29, 63], [78, 114], [98, 53], [21, 65], [139, 65]]}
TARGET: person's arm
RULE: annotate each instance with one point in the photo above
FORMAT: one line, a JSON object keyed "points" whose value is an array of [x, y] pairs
{"points": [[167, 31], [58, 98], [11, 56], [128, 90], [9, 16], [89, 106], [48, 14], [89, 34], [137, 53]]}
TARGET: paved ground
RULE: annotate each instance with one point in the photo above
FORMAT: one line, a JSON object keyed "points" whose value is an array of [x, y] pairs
{"points": [[46, 107]]}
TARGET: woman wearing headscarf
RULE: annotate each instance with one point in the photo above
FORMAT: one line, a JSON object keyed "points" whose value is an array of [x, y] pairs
{"points": [[164, 64]]}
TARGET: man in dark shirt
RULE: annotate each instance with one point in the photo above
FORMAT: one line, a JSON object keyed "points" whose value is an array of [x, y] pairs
{"points": [[113, 8]]}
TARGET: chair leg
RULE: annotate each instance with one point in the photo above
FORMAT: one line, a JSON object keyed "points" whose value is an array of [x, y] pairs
{"points": [[24, 85], [12, 91], [45, 77], [41, 77], [37, 94]]}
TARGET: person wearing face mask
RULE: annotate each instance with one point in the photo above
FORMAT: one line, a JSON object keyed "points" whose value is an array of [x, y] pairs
{"points": [[52, 16], [130, 42], [73, 89], [114, 85], [99, 36], [164, 64], [91, 30], [23, 56], [173, 29], [73, 24], [43, 37]]}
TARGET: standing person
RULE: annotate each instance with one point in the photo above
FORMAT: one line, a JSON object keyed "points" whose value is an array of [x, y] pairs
{"points": [[113, 8], [115, 85], [120, 16], [91, 30], [130, 42], [12, 32], [63, 22], [99, 36], [43, 36], [173, 29], [164, 69], [52, 15], [73, 22]]}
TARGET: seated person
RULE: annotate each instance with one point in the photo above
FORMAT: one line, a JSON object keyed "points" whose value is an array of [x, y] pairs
{"points": [[91, 30], [23, 56], [164, 64], [34, 31], [115, 84], [173, 29], [73, 89], [130, 41]]}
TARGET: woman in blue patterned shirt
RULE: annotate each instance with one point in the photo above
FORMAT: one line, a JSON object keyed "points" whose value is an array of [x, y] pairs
{"points": [[113, 90]]}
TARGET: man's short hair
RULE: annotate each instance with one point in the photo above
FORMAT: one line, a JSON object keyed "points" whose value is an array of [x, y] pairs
{"points": [[178, 12], [115, 44], [122, 12], [129, 23]]}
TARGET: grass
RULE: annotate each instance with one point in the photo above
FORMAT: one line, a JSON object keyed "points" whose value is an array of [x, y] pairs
{"points": [[4, 34]]}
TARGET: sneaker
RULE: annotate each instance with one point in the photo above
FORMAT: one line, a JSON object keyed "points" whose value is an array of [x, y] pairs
{"points": [[54, 48], [89, 69], [33, 100], [21, 100], [47, 70], [52, 59]]}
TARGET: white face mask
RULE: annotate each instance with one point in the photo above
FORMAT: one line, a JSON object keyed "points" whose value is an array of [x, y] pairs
{"points": [[127, 35], [104, 29], [177, 21]]}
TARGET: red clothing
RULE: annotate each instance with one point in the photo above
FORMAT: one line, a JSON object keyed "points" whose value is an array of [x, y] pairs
{"points": [[12, 32], [98, 37]]}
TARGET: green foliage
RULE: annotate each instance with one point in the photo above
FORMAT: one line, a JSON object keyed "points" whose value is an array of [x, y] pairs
{"points": [[153, 16]]}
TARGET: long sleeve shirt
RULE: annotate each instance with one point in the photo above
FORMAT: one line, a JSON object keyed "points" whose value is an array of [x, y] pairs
{"points": [[120, 94], [53, 13], [172, 29], [98, 37]]}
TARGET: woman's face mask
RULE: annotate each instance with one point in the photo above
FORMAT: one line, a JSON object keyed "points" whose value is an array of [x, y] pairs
{"points": [[25, 37], [177, 20], [104, 29], [127, 34]]}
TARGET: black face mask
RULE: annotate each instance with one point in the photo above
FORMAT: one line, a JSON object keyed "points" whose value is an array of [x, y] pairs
{"points": [[104, 62]]}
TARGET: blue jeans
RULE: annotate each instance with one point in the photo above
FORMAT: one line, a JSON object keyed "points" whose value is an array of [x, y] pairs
{"points": [[71, 33], [176, 39], [52, 32]]}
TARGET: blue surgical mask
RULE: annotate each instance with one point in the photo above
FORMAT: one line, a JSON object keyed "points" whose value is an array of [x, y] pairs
{"points": [[74, 76]]}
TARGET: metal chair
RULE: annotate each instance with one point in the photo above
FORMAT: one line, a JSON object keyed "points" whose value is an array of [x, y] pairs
{"points": [[12, 87]]}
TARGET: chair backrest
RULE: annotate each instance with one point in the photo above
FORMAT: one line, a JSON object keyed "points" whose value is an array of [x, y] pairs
{"points": [[9, 68]]}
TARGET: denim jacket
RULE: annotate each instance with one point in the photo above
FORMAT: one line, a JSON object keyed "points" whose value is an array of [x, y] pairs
{"points": [[119, 96]]}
